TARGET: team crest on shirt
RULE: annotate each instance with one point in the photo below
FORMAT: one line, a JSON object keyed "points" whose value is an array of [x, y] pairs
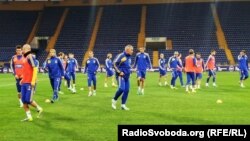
{"points": [[88, 61], [56, 61], [144, 56], [123, 59], [68, 61], [94, 61], [49, 61]]}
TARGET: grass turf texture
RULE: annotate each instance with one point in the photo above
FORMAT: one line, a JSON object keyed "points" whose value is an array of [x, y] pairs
{"points": [[79, 117]]}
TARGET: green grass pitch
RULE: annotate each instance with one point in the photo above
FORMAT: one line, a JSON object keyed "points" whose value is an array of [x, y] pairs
{"points": [[79, 117]]}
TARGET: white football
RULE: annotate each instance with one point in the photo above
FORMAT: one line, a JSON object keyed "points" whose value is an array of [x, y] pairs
{"points": [[47, 100], [219, 101]]}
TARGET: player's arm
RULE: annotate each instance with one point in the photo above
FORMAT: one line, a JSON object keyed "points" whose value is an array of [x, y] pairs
{"points": [[247, 63], [76, 64], [207, 61], [97, 64], [86, 66], [239, 57], [194, 61], [149, 62], [116, 62], [136, 61], [203, 65], [169, 61], [107, 65], [12, 66], [61, 67], [33, 63]]}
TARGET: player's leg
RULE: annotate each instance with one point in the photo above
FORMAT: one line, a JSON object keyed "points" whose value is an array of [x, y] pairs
{"points": [[26, 91], [106, 80], [139, 81], [113, 79], [174, 76], [55, 90], [68, 81], [59, 88], [160, 79], [74, 82], [39, 109], [89, 84], [192, 74], [18, 86], [208, 77], [94, 84], [143, 77], [165, 78], [121, 88], [188, 82], [125, 94], [34, 104], [243, 77], [214, 77], [196, 80], [181, 78]]}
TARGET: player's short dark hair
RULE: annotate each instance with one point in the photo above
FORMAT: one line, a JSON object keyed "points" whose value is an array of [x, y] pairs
{"points": [[191, 51], [198, 53], [213, 50], [244, 51], [18, 47], [60, 54]]}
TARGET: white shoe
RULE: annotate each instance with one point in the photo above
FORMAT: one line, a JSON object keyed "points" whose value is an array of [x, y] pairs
{"points": [[214, 85], [21, 105], [90, 94], [124, 108], [138, 92], [73, 90], [172, 87], [60, 92], [94, 93], [27, 119], [242, 86], [69, 89], [166, 83], [105, 85], [142, 91], [39, 112], [207, 85], [113, 104], [159, 84]]}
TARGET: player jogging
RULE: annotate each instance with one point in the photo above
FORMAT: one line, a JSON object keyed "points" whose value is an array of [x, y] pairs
{"points": [[122, 67], [109, 71], [162, 70], [28, 83], [16, 65], [142, 62], [91, 67], [243, 66], [210, 66]]}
